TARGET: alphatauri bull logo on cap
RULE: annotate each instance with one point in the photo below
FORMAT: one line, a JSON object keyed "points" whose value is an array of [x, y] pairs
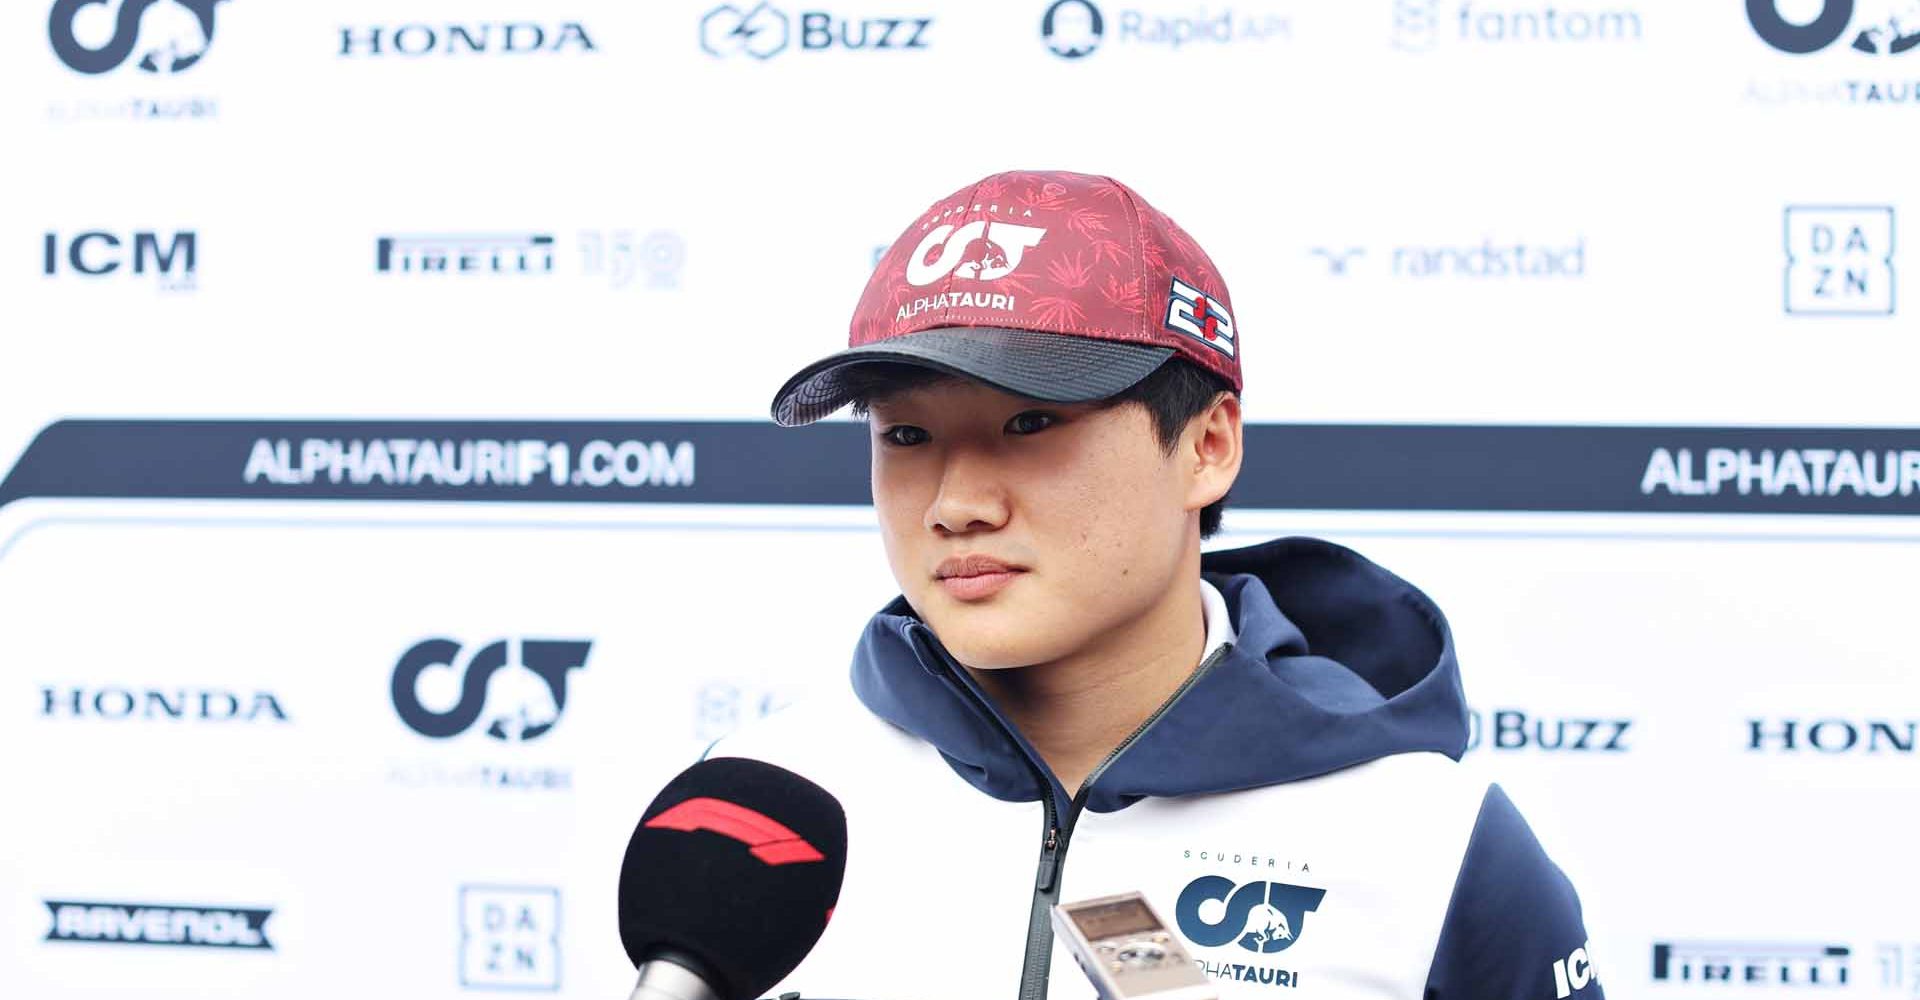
{"points": [[981, 250]]}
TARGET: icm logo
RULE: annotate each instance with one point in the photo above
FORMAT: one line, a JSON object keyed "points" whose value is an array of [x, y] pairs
{"points": [[115, 704], [1512, 729], [168, 36], [1887, 28], [1573, 973], [1724, 963], [483, 38], [1833, 736], [172, 258], [1421, 25], [981, 250], [764, 31], [509, 937], [1262, 917], [519, 686], [1839, 260], [1072, 29], [160, 924], [465, 253]]}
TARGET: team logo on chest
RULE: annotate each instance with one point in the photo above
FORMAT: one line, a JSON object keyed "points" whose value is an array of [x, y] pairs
{"points": [[1262, 917]]}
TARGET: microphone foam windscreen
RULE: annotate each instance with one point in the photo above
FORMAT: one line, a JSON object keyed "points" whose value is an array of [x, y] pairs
{"points": [[737, 864]]}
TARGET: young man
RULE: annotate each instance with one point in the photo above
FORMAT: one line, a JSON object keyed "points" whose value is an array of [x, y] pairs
{"points": [[1069, 700]]}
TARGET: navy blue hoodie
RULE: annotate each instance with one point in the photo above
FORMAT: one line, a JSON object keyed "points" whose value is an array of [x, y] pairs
{"points": [[1339, 697]]}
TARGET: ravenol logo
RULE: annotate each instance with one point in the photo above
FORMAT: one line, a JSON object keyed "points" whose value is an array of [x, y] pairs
{"points": [[1262, 917]]}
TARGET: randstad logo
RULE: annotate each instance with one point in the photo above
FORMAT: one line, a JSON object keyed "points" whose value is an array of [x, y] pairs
{"points": [[168, 37], [980, 250], [1262, 917], [521, 703]]}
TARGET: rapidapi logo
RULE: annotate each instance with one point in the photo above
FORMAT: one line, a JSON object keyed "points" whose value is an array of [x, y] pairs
{"points": [[518, 685], [169, 35], [1262, 917]]}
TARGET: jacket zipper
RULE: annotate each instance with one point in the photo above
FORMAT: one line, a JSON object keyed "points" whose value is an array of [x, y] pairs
{"points": [[1053, 846]]}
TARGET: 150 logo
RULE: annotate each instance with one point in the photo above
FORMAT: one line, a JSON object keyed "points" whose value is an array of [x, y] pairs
{"points": [[1262, 917], [522, 703], [169, 35]]}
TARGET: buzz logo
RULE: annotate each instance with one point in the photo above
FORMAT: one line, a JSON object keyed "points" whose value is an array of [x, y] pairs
{"points": [[1193, 312], [169, 36], [980, 250], [519, 686], [1262, 917], [1573, 974]]}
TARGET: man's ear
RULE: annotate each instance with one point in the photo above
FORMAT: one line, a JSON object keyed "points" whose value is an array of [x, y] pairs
{"points": [[1211, 448]]}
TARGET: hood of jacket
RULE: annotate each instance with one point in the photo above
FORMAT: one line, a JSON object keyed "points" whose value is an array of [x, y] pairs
{"points": [[1336, 662]]}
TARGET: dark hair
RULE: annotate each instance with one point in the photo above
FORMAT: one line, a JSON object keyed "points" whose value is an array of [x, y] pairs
{"points": [[1173, 395]]}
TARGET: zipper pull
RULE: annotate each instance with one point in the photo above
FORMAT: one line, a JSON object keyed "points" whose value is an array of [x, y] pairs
{"points": [[1049, 861]]}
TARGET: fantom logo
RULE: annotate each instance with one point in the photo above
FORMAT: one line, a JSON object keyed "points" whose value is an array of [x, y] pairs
{"points": [[1262, 917], [521, 704], [169, 35]]}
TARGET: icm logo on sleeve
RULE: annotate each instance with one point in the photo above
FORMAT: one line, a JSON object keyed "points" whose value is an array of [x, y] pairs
{"points": [[160, 924], [1839, 260], [509, 937], [1573, 973]]}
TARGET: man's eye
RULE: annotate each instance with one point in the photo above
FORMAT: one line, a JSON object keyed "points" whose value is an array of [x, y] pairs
{"points": [[904, 435], [1030, 422]]}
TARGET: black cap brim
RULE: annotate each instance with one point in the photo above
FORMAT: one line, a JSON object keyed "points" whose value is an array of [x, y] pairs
{"points": [[1054, 367]]}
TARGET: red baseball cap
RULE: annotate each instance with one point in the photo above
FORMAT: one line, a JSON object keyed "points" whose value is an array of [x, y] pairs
{"points": [[1056, 286]]}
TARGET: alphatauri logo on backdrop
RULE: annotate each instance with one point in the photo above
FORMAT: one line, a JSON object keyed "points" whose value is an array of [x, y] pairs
{"points": [[1871, 27], [158, 36], [515, 689], [1871, 41]]}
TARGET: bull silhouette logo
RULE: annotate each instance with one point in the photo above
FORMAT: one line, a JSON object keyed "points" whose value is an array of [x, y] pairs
{"points": [[1262, 917], [169, 36]]}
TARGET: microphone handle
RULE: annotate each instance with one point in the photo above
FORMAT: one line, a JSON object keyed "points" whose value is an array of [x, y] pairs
{"points": [[661, 979]]}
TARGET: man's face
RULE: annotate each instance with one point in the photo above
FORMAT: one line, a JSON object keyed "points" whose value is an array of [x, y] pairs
{"points": [[1022, 531]]}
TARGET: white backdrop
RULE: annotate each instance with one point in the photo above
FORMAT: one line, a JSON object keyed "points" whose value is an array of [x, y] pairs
{"points": [[196, 669]]}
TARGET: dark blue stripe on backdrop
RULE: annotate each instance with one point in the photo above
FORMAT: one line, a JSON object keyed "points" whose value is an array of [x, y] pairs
{"points": [[1289, 466]]}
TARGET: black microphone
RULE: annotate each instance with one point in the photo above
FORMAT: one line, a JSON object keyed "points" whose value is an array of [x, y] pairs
{"points": [[729, 880]]}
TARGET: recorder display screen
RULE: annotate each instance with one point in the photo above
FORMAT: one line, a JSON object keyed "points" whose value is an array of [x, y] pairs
{"points": [[1126, 916]]}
